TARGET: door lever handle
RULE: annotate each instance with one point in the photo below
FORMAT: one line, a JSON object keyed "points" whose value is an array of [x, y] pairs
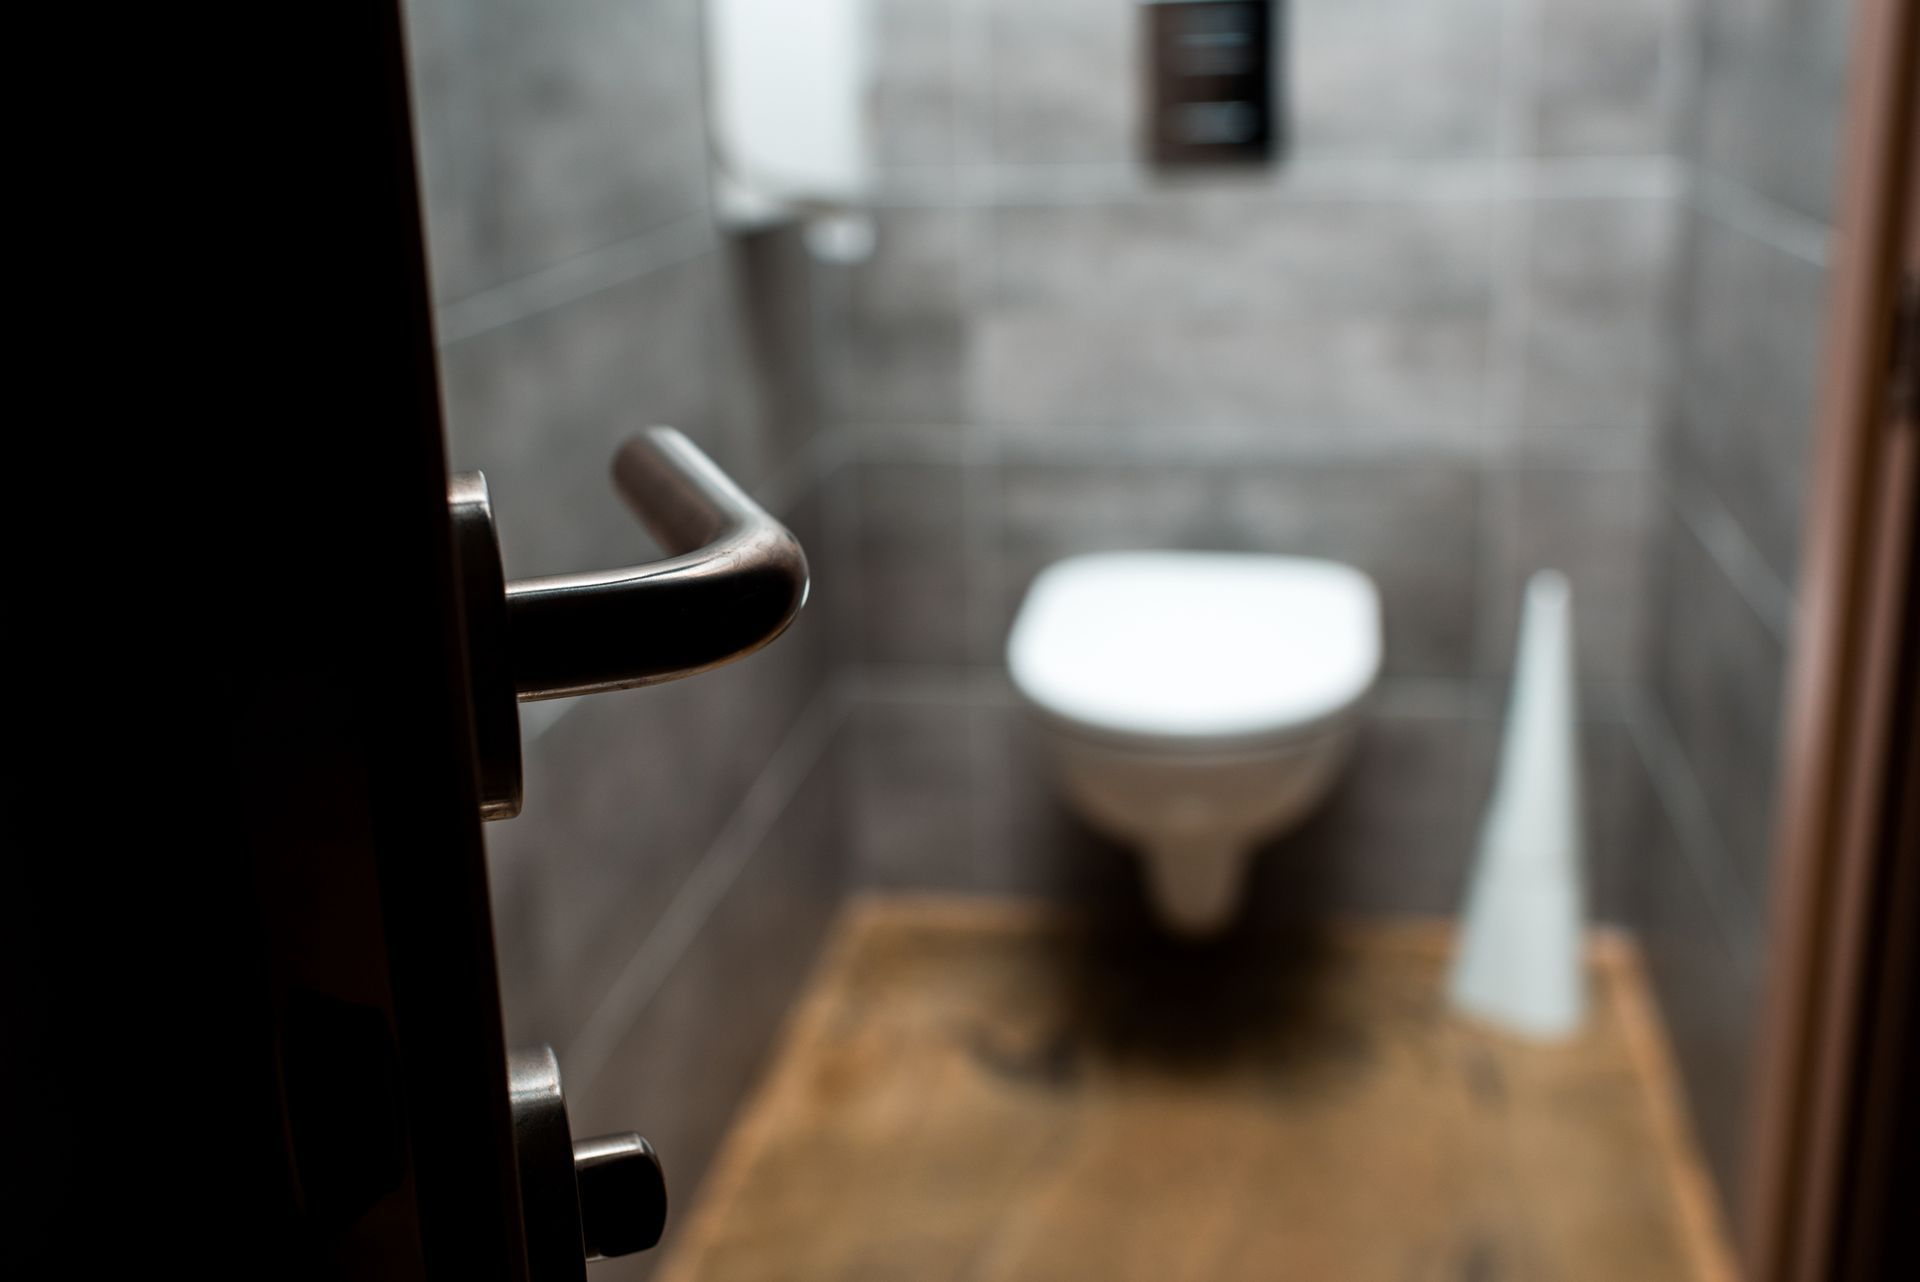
{"points": [[732, 582], [736, 578]]}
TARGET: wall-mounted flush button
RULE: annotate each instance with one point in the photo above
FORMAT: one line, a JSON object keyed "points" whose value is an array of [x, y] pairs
{"points": [[1212, 80]]}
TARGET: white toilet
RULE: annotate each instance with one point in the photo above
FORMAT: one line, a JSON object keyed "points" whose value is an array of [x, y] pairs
{"points": [[1197, 703]]}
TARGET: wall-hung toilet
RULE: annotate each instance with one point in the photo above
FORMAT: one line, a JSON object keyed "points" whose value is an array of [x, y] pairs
{"points": [[1197, 703]]}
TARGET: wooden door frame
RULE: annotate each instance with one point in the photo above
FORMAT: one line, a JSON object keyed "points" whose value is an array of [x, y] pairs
{"points": [[1841, 954]]}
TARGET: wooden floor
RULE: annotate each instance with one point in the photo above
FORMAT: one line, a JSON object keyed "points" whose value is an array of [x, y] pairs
{"points": [[989, 1092]]}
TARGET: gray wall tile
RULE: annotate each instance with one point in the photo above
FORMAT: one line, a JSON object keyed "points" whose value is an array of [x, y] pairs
{"points": [[1210, 312], [1749, 364], [1395, 837], [762, 355], [895, 348], [928, 106], [908, 368], [1230, 250], [1708, 988], [541, 404], [1065, 86], [1747, 333], [1597, 296], [1772, 96], [697, 1048], [1593, 526], [1720, 674], [911, 562], [832, 557], [551, 129], [1235, 379], [917, 268], [1600, 76], [1615, 797], [715, 346], [1030, 841], [911, 769], [1412, 78], [623, 796]]}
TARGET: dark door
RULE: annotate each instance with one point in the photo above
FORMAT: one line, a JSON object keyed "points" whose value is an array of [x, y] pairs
{"points": [[253, 1022], [255, 975]]}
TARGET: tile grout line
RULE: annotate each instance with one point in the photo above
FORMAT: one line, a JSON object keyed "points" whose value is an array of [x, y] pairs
{"points": [[1360, 180], [1510, 261], [1680, 72], [1684, 805], [983, 586], [1726, 543], [573, 279], [977, 187], [1735, 205], [842, 689], [950, 443], [746, 829], [1464, 697]]}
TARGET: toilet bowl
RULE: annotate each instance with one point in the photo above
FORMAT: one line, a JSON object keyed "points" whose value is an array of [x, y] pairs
{"points": [[1197, 703]]}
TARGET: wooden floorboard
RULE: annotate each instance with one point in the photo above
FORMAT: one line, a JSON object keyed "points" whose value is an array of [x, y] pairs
{"points": [[989, 1092]]}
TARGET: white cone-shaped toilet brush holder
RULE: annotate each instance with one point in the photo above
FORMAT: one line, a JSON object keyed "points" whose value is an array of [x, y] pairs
{"points": [[1520, 963]]}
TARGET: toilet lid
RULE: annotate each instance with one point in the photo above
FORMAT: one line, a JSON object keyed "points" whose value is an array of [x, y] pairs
{"points": [[1196, 644]]}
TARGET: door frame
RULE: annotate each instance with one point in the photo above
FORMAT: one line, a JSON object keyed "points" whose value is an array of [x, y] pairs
{"points": [[1836, 1033]]}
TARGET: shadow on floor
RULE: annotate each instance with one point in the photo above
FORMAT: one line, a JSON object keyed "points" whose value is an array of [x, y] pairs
{"points": [[1132, 997]]}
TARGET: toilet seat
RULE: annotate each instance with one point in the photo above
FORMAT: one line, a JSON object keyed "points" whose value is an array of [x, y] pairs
{"points": [[1196, 649]]}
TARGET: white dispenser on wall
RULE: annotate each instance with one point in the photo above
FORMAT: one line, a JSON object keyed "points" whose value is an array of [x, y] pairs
{"points": [[788, 85]]}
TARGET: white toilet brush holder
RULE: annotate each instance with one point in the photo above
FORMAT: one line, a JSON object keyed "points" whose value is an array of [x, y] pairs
{"points": [[1520, 964]]}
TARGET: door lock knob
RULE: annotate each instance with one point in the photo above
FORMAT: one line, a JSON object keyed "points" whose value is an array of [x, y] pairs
{"points": [[579, 1201], [623, 1194]]}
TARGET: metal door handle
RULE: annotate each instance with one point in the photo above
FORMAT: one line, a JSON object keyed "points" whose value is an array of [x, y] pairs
{"points": [[734, 579], [734, 583]]}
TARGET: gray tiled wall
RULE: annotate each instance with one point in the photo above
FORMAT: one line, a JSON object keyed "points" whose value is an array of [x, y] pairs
{"points": [[1220, 312], [1771, 91], [1396, 77], [529, 113], [1748, 306], [1597, 290], [1748, 348], [1604, 77], [679, 853], [1427, 343], [699, 1031], [1538, 284], [1590, 523]]}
